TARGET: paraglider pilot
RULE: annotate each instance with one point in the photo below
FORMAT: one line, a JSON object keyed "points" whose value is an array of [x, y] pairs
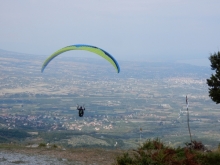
{"points": [[81, 110]]}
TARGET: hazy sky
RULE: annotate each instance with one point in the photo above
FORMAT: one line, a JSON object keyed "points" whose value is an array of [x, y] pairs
{"points": [[145, 30]]}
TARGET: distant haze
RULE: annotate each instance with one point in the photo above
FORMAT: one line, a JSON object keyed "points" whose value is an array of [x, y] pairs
{"points": [[154, 30]]}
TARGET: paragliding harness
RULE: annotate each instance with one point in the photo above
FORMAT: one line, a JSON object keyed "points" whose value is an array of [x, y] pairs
{"points": [[81, 110]]}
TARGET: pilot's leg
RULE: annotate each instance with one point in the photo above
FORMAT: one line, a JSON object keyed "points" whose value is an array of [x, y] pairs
{"points": [[81, 113]]}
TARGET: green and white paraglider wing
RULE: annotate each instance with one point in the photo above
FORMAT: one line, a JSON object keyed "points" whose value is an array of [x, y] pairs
{"points": [[89, 48]]}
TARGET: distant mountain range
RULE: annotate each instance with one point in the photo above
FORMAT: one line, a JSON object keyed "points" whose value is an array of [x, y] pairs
{"points": [[129, 69]]}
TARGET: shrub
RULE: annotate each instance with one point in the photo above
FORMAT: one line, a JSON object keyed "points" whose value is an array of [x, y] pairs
{"points": [[211, 158], [154, 144], [42, 145], [198, 146], [154, 152], [54, 146], [125, 159]]}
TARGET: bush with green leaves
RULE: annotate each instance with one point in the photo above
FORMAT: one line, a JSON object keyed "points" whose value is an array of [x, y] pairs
{"points": [[214, 81], [42, 145], [154, 152]]}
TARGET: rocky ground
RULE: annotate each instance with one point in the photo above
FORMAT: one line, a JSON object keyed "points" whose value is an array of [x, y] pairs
{"points": [[34, 156]]}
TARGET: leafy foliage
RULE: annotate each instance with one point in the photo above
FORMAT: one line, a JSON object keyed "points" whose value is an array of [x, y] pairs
{"points": [[198, 146], [152, 144], [54, 146], [154, 152], [42, 145], [125, 159], [214, 81], [209, 158]]}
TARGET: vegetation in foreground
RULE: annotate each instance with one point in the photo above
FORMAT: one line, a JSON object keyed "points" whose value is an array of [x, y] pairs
{"points": [[154, 152]]}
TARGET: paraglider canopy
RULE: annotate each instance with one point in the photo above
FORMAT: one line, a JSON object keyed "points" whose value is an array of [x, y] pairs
{"points": [[89, 48]]}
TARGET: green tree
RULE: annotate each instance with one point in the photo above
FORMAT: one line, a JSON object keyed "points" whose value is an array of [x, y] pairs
{"points": [[214, 81]]}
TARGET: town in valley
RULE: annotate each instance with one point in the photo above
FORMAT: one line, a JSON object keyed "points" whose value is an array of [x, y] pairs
{"points": [[145, 100]]}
